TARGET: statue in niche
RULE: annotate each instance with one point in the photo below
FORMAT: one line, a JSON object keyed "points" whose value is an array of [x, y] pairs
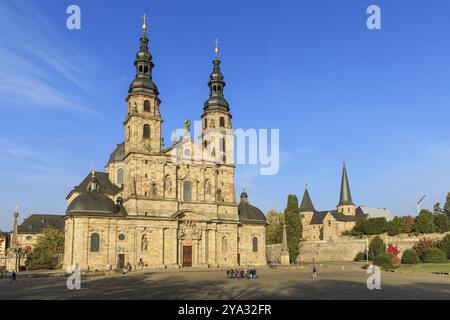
{"points": [[135, 109], [144, 243], [153, 189], [219, 195], [208, 187], [167, 184]]}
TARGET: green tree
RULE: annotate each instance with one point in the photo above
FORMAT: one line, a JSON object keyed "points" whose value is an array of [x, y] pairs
{"points": [[447, 205], [444, 245], [425, 222], [371, 226], [393, 227], [293, 226], [49, 249], [274, 228], [376, 247], [442, 222]]}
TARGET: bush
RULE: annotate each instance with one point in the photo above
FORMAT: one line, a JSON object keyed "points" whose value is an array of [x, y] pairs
{"points": [[360, 257], [444, 245], [395, 261], [410, 257], [384, 260], [376, 247], [425, 222], [423, 246], [371, 226], [434, 256], [393, 249]]}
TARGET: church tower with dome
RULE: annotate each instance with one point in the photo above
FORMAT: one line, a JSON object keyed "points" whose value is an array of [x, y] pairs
{"points": [[153, 211]]}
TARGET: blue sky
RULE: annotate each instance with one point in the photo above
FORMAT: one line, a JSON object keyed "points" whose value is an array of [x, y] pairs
{"points": [[379, 100]]}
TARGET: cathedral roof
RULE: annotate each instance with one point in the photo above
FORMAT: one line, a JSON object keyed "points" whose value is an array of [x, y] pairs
{"points": [[93, 201], [105, 184], [118, 154], [249, 213], [319, 216], [35, 223]]}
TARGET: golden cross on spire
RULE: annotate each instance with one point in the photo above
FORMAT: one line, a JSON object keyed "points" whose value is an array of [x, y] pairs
{"points": [[144, 26], [216, 50]]}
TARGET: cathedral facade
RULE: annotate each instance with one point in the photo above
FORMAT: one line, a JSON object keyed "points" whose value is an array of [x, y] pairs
{"points": [[153, 207]]}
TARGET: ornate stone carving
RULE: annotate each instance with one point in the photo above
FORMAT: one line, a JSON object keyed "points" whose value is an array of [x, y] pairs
{"points": [[188, 231]]}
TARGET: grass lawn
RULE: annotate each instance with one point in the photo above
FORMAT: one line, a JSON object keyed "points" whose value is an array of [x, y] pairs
{"points": [[425, 267]]}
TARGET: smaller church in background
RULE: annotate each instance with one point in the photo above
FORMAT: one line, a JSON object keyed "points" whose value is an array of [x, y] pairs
{"points": [[330, 224]]}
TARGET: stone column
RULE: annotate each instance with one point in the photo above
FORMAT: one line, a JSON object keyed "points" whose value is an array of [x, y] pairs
{"points": [[205, 244], [162, 246]]}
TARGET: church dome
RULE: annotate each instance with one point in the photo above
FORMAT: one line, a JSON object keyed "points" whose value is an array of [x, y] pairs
{"points": [[216, 103], [94, 202], [249, 213]]}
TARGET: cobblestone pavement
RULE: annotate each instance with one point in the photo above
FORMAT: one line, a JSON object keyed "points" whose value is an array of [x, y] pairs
{"points": [[334, 282]]}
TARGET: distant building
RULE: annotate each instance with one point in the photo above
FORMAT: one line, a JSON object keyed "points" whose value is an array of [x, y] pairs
{"points": [[375, 212], [330, 224], [32, 227]]}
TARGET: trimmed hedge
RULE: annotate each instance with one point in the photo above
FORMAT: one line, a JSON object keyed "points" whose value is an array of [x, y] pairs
{"points": [[410, 257], [435, 256]]}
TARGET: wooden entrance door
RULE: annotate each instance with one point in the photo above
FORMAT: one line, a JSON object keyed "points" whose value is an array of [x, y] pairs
{"points": [[187, 256], [121, 260]]}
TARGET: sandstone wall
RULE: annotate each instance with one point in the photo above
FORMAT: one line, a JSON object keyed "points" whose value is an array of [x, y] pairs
{"points": [[346, 248]]}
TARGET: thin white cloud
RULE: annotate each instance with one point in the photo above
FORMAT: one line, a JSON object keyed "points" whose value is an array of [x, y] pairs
{"points": [[38, 63]]}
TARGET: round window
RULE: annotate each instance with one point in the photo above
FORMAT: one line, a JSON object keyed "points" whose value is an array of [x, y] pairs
{"points": [[29, 238], [121, 237]]}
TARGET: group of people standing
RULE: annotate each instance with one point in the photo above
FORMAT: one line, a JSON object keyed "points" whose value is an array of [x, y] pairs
{"points": [[241, 273]]}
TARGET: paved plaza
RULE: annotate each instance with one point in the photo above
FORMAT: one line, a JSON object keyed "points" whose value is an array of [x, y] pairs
{"points": [[333, 283]]}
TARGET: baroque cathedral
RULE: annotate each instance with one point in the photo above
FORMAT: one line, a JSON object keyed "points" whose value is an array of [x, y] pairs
{"points": [[153, 211]]}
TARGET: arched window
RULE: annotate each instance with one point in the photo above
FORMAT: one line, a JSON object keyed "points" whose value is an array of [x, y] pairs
{"points": [[120, 176], [187, 191], [222, 122], [147, 106], [222, 144], [146, 133], [224, 244], [128, 133], [95, 242], [145, 69], [206, 123], [140, 69], [255, 244]]}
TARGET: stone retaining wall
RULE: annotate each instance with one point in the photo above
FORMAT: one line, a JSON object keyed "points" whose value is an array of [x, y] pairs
{"points": [[346, 248]]}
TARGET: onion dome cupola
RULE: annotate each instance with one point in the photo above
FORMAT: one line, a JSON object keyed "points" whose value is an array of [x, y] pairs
{"points": [[143, 83], [216, 100]]}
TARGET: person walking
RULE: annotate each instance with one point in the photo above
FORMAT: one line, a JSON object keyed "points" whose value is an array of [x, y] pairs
{"points": [[314, 271], [13, 278]]}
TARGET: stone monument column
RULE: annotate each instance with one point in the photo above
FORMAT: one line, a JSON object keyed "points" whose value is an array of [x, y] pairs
{"points": [[284, 260]]}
